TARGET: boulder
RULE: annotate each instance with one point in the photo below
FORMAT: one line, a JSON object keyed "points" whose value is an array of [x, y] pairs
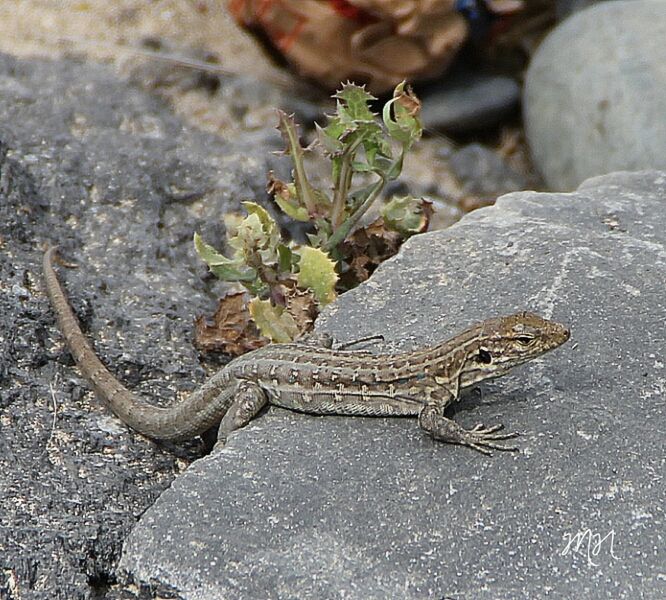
{"points": [[595, 93]]}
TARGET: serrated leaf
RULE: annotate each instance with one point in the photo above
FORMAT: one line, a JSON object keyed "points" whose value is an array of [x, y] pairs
{"points": [[257, 237], [302, 305], [274, 322], [329, 137], [356, 100], [365, 249], [316, 271], [230, 329]]}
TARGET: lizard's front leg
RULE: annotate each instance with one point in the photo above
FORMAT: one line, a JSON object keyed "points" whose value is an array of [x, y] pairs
{"points": [[248, 401], [432, 420]]}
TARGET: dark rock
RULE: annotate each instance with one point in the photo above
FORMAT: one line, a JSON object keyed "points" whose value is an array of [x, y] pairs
{"points": [[566, 7], [112, 176], [300, 506], [595, 93], [467, 101]]}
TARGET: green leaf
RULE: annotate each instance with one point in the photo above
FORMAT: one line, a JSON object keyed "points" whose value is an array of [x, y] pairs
{"points": [[274, 322], [356, 101], [291, 209], [317, 273], [257, 237], [361, 167], [286, 260], [207, 253], [405, 214], [401, 116], [222, 267], [329, 137], [267, 223], [284, 195]]}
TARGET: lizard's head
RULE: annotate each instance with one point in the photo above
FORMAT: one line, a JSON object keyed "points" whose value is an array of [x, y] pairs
{"points": [[506, 342]]}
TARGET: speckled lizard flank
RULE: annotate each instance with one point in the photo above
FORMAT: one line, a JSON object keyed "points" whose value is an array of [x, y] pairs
{"points": [[313, 377]]}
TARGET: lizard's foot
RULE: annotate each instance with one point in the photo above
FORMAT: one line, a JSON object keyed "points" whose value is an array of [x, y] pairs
{"points": [[316, 339], [248, 402], [479, 438]]}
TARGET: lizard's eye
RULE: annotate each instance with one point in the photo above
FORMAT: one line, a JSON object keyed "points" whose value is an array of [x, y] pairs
{"points": [[524, 340], [484, 356]]}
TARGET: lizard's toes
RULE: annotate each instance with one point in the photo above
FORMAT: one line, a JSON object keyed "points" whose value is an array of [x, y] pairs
{"points": [[483, 430]]}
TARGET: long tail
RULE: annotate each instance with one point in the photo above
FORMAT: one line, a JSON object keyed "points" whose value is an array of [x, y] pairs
{"points": [[199, 412]]}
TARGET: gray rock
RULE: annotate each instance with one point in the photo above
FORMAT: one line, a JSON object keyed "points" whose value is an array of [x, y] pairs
{"points": [[566, 7], [111, 175], [300, 506], [482, 171], [467, 101], [595, 93]]}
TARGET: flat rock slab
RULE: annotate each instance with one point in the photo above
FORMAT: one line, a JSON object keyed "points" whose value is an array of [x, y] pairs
{"points": [[300, 506]]}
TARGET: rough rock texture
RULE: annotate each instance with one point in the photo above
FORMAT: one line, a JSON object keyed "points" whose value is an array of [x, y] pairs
{"points": [[300, 506], [595, 93], [113, 177]]}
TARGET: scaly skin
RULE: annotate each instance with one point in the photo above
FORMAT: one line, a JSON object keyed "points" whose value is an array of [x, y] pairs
{"points": [[320, 380]]}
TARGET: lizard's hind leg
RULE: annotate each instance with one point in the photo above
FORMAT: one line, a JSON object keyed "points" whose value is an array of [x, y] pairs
{"points": [[248, 402]]}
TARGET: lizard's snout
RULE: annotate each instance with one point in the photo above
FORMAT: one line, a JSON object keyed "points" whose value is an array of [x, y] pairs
{"points": [[563, 333]]}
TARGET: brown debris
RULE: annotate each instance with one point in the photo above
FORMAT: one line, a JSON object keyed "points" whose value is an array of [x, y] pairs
{"points": [[469, 203], [365, 249], [302, 306], [231, 329]]}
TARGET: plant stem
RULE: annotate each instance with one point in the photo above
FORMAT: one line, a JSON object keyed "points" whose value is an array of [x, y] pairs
{"points": [[343, 183], [300, 178], [343, 231]]}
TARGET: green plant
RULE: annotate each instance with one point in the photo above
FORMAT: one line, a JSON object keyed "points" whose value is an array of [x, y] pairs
{"points": [[290, 282]]}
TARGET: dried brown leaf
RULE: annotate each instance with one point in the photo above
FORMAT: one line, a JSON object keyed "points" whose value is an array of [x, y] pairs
{"points": [[427, 211], [303, 307], [470, 203], [230, 330], [365, 250], [409, 101]]}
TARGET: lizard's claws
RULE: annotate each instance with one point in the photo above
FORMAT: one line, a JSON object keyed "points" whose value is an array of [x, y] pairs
{"points": [[483, 438]]}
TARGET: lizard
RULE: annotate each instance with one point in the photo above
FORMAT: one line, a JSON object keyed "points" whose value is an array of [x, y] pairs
{"points": [[313, 377]]}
